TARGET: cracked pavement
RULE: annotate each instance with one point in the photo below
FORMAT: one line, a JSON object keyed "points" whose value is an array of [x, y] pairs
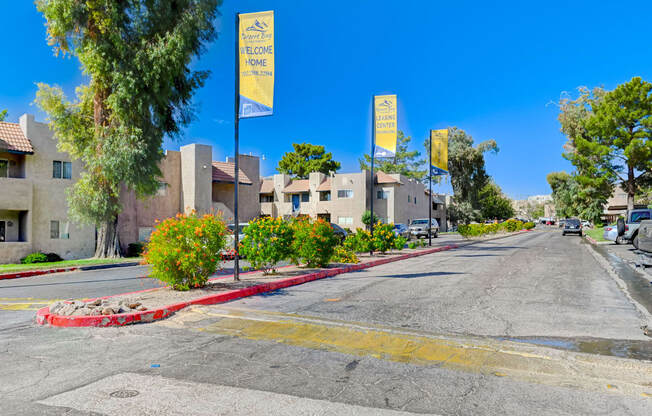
{"points": [[461, 305]]}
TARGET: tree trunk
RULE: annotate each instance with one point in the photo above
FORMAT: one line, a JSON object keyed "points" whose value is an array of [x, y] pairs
{"points": [[631, 189], [108, 243]]}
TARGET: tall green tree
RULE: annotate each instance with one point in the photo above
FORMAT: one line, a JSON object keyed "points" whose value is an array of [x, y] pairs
{"points": [[494, 204], [466, 167], [136, 55], [406, 162], [610, 138], [564, 194], [307, 158], [3, 115]]}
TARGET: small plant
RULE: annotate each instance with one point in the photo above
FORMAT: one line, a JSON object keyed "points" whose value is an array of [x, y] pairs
{"points": [[529, 225], [399, 242], [314, 242], [412, 245], [344, 255], [266, 242], [135, 249], [384, 237], [366, 218], [34, 258], [185, 250], [359, 242]]}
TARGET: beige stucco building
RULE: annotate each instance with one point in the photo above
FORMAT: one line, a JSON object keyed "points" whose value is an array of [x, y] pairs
{"points": [[34, 177], [191, 180], [343, 197]]}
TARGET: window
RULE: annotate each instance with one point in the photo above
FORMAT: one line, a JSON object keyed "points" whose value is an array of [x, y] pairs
{"points": [[144, 233], [345, 193], [54, 229], [61, 170], [4, 168], [65, 231], [345, 220], [325, 196], [162, 189], [56, 169], [409, 198], [640, 216], [305, 197], [382, 194], [267, 198], [415, 199]]}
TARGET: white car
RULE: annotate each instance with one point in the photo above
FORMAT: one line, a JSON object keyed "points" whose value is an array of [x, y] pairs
{"points": [[419, 228]]}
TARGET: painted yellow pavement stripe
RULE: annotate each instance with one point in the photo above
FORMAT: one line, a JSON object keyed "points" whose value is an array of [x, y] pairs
{"points": [[21, 304], [489, 357]]}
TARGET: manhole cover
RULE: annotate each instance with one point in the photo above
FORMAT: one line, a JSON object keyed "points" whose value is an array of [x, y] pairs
{"points": [[124, 394]]}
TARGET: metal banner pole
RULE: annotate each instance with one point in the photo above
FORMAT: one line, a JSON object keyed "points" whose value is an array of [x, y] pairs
{"points": [[430, 196], [236, 220], [373, 181]]}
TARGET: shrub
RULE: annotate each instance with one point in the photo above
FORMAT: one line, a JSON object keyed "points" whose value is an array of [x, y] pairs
{"points": [[344, 255], [359, 242], [53, 257], [135, 249], [185, 250], [399, 242], [314, 242], [529, 225], [412, 245], [34, 258], [384, 237], [512, 225], [266, 242]]}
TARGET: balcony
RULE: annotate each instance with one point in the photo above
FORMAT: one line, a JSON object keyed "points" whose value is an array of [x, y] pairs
{"points": [[16, 194]]}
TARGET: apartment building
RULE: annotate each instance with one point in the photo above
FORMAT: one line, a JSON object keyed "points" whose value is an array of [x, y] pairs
{"points": [[191, 180], [34, 177], [342, 198]]}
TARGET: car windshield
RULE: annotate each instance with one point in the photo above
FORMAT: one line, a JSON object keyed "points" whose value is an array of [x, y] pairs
{"points": [[640, 216], [418, 222], [573, 222]]}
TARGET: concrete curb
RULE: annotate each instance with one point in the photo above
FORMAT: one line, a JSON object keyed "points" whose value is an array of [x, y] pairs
{"points": [[43, 315], [30, 273]]}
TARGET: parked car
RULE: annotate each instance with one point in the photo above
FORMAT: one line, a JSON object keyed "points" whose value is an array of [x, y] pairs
{"points": [[610, 233], [572, 226], [419, 228], [628, 229], [561, 223], [340, 232], [645, 242], [229, 251], [586, 224], [402, 230]]}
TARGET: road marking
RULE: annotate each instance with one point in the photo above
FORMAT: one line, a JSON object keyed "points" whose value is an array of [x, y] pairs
{"points": [[156, 395], [530, 363], [19, 304], [332, 300]]}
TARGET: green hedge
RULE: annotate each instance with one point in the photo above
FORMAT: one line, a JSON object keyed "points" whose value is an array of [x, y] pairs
{"points": [[477, 230]]}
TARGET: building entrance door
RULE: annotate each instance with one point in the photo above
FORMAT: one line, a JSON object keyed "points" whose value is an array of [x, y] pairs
{"points": [[295, 202], [2, 231]]}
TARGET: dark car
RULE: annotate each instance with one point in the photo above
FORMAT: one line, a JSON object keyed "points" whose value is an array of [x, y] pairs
{"points": [[572, 226], [340, 232]]}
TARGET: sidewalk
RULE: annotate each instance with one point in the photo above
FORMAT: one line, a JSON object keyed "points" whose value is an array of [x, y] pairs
{"points": [[49, 270]]}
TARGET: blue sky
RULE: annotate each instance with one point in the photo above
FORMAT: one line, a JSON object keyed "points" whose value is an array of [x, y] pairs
{"points": [[490, 68]]}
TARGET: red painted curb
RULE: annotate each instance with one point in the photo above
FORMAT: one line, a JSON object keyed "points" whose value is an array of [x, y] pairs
{"points": [[43, 315], [30, 273]]}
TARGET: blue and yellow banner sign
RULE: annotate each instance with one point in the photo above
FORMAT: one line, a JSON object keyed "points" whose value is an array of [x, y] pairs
{"points": [[439, 151], [256, 50], [385, 125]]}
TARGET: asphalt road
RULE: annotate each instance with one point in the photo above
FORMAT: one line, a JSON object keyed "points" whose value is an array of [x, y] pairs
{"points": [[529, 324]]}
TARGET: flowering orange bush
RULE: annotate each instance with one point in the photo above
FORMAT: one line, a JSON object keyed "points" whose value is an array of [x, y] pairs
{"points": [[185, 250], [314, 242], [266, 242]]}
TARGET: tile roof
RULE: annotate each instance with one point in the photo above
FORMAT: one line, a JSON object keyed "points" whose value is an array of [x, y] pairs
{"points": [[266, 186], [325, 186], [13, 139], [298, 185], [225, 172], [382, 177]]}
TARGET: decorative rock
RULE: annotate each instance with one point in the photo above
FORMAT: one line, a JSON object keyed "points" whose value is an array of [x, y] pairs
{"points": [[78, 303], [81, 311], [134, 305], [108, 311], [96, 302], [142, 308], [56, 306], [95, 312]]}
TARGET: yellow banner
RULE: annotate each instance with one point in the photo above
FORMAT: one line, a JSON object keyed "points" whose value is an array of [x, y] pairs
{"points": [[256, 49], [385, 125], [439, 151]]}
